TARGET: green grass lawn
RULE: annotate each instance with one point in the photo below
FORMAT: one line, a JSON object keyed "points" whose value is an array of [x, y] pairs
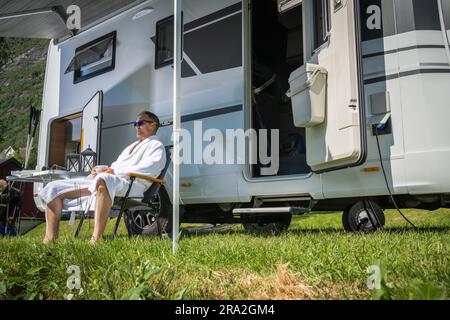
{"points": [[314, 259]]}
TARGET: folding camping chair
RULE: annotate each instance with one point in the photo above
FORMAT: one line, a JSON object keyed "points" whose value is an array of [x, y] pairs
{"points": [[125, 203]]}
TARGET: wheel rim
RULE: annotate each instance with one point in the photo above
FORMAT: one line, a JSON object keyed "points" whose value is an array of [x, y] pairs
{"points": [[144, 219], [363, 221]]}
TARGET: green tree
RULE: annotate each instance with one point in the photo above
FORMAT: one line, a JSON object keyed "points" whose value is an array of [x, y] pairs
{"points": [[5, 52]]}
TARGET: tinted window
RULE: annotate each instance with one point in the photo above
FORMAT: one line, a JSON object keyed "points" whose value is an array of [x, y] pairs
{"points": [[217, 46], [319, 33], [93, 58], [416, 15], [164, 42], [426, 15]]}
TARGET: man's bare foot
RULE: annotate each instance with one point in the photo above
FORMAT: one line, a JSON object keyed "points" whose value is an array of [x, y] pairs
{"points": [[94, 240], [48, 240]]}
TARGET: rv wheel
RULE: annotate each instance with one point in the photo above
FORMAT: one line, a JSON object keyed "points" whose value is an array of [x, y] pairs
{"points": [[274, 223], [141, 220], [363, 216]]}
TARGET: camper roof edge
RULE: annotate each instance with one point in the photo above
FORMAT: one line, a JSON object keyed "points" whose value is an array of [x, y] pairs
{"points": [[135, 5]]}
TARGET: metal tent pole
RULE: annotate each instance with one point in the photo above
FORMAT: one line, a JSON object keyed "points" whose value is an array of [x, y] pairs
{"points": [[176, 122]]}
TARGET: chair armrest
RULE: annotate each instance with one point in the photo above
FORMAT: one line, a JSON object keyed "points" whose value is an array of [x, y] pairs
{"points": [[147, 178]]}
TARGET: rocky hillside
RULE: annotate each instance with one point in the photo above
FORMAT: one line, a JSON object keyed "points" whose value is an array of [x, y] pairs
{"points": [[21, 84]]}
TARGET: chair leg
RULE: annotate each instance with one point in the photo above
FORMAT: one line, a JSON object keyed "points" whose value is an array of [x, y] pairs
{"points": [[116, 226], [159, 227], [84, 214], [79, 226], [125, 217]]}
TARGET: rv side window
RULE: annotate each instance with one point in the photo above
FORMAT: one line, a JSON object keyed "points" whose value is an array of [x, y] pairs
{"points": [[164, 42], [93, 58], [321, 22]]}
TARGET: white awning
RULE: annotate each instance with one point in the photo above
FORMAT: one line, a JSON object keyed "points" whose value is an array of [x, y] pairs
{"points": [[47, 18]]}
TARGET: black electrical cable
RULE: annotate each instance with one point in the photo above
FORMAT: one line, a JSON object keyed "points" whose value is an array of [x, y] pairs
{"points": [[374, 214], [386, 180]]}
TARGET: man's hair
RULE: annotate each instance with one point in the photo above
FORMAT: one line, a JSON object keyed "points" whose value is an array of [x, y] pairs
{"points": [[152, 116]]}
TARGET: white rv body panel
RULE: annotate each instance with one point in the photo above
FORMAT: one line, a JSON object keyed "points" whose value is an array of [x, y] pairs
{"points": [[416, 155], [416, 152], [50, 100], [134, 85]]}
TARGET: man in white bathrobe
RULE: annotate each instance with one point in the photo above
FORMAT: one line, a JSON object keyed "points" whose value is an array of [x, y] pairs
{"points": [[145, 156]]}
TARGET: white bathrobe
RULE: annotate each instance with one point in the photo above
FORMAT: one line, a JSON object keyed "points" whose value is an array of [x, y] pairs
{"points": [[148, 158]]}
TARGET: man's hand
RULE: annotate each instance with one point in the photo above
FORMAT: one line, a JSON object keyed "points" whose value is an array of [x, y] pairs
{"points": [[3, 185], [109, 170]]}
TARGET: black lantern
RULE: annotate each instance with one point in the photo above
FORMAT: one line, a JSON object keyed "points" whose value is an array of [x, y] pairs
{"points": [[73, 162], [88, 160]]}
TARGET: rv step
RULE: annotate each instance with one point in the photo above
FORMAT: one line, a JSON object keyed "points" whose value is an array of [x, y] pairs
{"points": [[293, 210]]}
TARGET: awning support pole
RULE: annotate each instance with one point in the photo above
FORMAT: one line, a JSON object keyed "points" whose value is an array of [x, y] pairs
{"points": [[176, 123]]}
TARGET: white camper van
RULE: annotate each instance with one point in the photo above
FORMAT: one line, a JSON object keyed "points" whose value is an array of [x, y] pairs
{"points": [[359, 91]]}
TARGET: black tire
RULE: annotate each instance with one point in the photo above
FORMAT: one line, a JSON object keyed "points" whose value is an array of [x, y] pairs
{"points": [[271, 224], [140, 220], [356, 217], [345, 222]]}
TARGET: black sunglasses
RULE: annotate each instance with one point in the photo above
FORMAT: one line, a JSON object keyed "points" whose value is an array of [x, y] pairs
{"points": [[139, 123]]}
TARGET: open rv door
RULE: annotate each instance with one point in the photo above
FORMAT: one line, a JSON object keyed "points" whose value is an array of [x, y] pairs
{"points": [[326, 93], [91, 124]]}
